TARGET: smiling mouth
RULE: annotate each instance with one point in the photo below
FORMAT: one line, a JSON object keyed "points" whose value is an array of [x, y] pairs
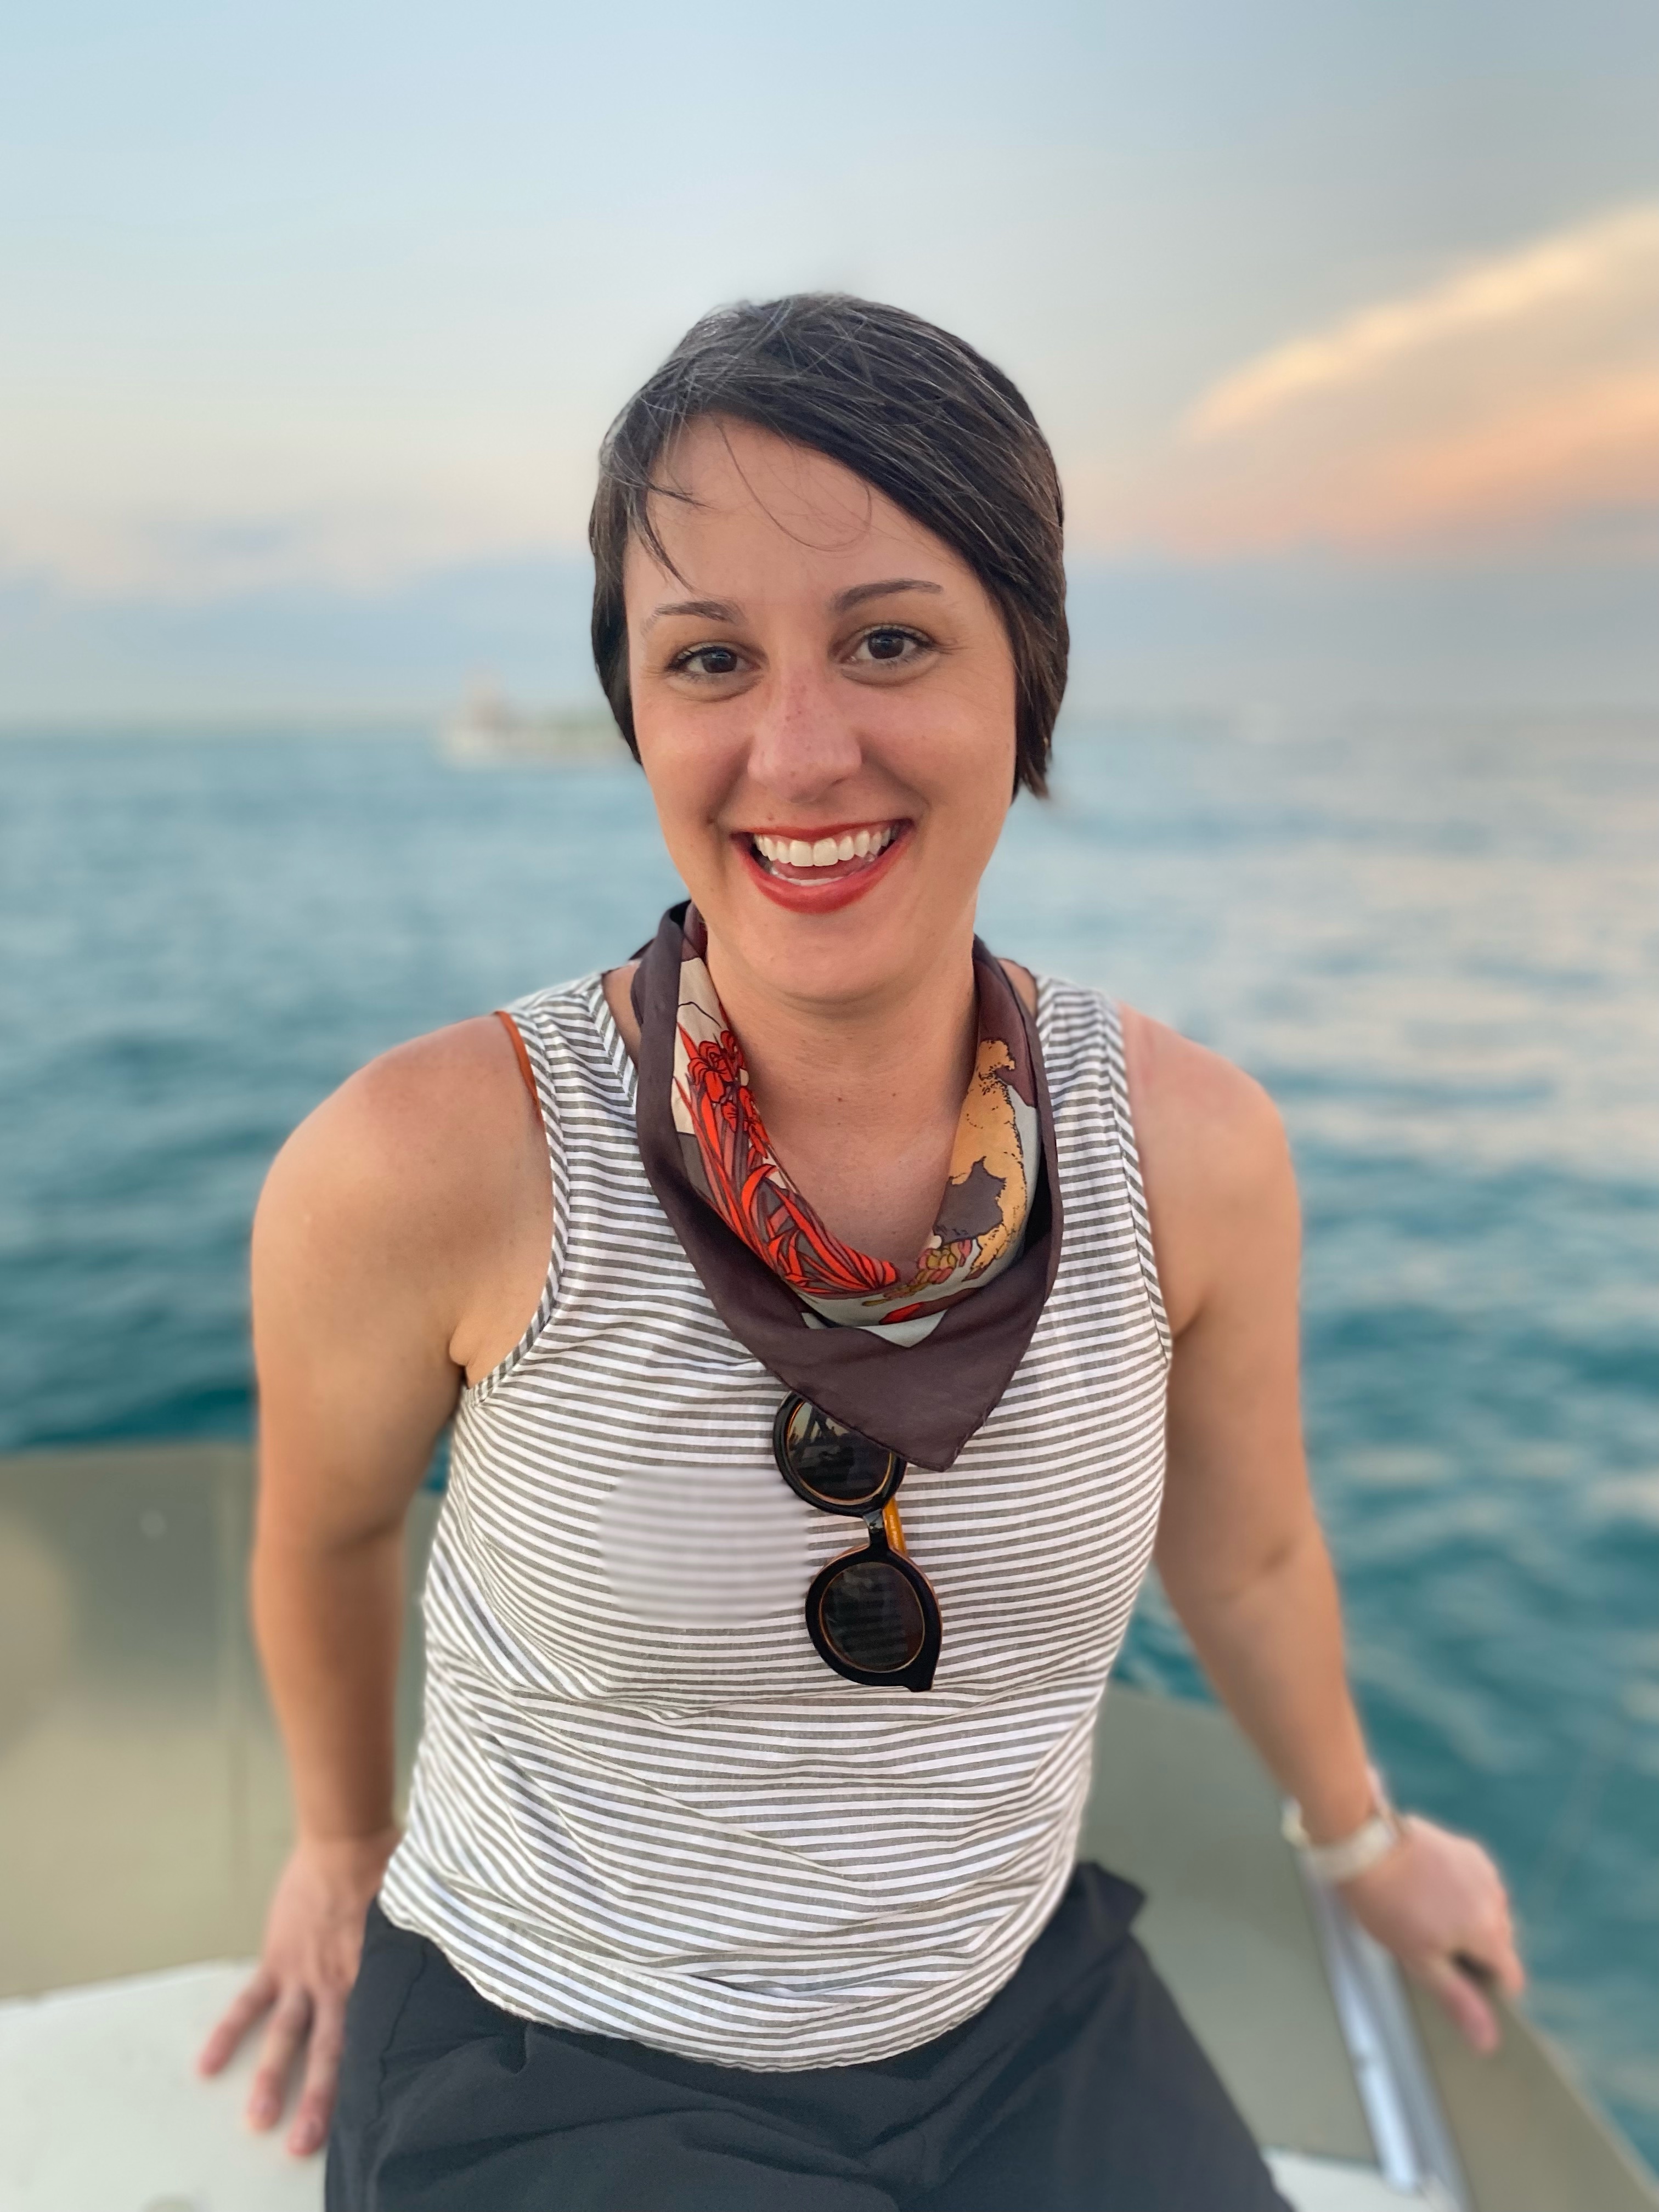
{"points": [[827, 858]]}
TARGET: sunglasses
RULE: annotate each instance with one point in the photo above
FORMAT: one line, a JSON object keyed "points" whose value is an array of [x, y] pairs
{"points": [[870, 1613]]}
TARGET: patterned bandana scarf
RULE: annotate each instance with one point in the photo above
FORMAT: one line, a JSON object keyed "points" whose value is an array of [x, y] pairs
{"points": [[980, 1229], [915, 1361]]}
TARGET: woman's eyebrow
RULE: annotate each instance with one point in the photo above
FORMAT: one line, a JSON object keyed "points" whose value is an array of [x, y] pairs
{"points": [[858, 593], [705, 609], [854, 596]]}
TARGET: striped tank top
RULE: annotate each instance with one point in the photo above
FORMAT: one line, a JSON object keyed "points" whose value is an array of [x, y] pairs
{"points": [[642, 1806]]}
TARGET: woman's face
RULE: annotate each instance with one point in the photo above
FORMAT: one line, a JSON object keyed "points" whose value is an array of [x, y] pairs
{"points": [[824, 698]]}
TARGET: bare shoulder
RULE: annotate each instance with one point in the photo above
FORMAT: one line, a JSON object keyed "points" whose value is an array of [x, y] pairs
{"points": [[1183, 1095], [1213, 1158], [417, 1118], [399, 1245], [423, 1155]]}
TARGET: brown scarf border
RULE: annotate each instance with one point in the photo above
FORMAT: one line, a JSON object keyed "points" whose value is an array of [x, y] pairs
{"points": [[923, 1399]]}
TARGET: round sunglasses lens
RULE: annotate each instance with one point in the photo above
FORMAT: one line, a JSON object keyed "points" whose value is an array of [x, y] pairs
{"points": [[873, 1617], [833, 1463]]}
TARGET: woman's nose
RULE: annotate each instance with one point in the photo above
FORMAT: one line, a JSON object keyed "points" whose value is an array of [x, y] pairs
{"points": [[802, 740]]}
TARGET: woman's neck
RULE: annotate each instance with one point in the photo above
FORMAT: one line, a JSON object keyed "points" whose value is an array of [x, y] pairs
{"points": [[862, 1101]]}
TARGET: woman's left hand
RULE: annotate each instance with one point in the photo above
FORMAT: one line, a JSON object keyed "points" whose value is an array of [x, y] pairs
{"points": [[1439, 1904]]}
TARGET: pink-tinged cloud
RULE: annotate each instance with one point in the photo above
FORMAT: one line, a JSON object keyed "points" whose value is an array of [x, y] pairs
{"points": [[1503, 405]]}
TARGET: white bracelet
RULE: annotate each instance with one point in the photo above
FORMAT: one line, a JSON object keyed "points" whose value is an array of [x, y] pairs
{"points": [[1349, 1856]]}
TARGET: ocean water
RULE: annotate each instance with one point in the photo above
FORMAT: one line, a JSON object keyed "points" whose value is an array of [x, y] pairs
{"points": [[1437, 946]]}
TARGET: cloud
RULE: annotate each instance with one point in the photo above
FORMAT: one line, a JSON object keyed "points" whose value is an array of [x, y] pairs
{"points": [[1556, 276], [1515, 401]]}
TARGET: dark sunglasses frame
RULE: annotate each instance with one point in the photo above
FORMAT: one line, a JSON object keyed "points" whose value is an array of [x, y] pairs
{"points": [[879, 1511]]}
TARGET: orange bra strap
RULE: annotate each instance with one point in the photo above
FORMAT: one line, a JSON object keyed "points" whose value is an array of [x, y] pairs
{"points": [[523, 1058]]}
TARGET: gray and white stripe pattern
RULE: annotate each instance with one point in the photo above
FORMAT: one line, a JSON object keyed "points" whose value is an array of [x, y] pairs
{"points": [[642, 1805]]}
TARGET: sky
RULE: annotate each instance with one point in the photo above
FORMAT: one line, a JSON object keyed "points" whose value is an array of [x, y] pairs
{"points": [[1343, 320]]}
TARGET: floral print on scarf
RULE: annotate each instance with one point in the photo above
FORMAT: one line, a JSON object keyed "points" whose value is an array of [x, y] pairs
{"points": [[980, 1227]]}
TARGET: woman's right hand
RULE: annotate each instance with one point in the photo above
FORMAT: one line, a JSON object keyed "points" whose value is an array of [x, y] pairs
{"points": [[313, 1937]]}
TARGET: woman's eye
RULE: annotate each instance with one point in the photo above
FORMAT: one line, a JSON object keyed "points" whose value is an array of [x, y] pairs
{"points": [[890, 644], [709, 661]]}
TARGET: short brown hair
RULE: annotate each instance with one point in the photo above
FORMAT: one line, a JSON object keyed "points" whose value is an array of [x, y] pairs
{"points": [[913, 411]]}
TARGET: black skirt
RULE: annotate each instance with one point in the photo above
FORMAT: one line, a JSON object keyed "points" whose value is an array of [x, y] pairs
{"points": [[1078, 2088]]}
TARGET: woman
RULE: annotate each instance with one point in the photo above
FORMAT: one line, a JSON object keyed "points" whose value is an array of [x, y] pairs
{"points": [[738, 1864]]}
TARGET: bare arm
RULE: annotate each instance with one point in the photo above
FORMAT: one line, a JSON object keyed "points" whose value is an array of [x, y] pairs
{"points": [[1240, 1549], [398, 1246]]}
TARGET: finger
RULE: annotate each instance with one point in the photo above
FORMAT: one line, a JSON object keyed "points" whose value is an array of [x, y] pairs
{"points": [[311, 2117], [1461, 1996], [256, 1998], [1493, 1958], [282, 2039], [1503, 1956]]}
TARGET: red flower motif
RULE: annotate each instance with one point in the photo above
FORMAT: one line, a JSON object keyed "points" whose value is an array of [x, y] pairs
{"points": [[747, 1188]]}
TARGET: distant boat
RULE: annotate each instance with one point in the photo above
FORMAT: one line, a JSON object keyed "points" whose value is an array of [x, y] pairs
{"points": [[488, 729]]}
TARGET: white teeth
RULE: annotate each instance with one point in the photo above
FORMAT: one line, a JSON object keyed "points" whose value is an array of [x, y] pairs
{"points": [[825, 852]]}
